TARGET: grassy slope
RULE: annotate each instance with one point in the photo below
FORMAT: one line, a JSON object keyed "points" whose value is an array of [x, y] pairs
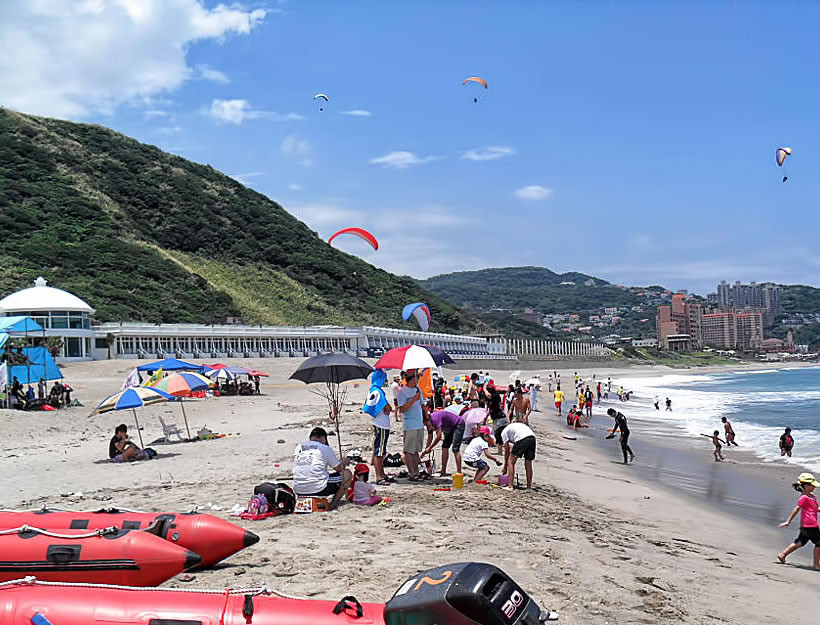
{"points": [[145, 235]]}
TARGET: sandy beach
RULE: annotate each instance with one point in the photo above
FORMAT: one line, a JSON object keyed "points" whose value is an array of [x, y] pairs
{"points": [[597, 541]]}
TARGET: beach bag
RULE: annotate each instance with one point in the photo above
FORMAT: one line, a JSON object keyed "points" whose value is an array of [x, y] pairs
{"points": [[258, 505], [280, 497], [393, 460]]}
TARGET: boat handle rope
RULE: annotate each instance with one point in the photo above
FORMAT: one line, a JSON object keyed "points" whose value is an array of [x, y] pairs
{"points": [[28, 528], [31, 580]]}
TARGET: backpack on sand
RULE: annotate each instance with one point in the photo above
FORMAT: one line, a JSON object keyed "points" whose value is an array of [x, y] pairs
{"points": [[280, 497]]}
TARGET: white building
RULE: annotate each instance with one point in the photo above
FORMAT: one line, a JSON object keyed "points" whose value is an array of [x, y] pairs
{"points": [[61, 314]]}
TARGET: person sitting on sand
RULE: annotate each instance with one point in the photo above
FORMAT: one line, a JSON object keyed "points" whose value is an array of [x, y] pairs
{"points": [[786, 443], [479, 446], [519, 442], [311, 477], [730, 433], [807, 507], [364, 493], [121, 449], [716, 441]]}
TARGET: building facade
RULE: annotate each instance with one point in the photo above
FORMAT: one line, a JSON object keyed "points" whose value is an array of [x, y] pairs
{"points": [[731, 330], [752, 297], [681, 318]]}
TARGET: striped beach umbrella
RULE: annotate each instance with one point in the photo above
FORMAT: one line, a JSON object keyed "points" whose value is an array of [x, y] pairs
{"points": [[183, 385], [131, 399], [220, 374]]}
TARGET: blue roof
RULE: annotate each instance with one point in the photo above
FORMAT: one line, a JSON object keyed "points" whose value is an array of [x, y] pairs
{"points": [[19, 324], [170, 364]]}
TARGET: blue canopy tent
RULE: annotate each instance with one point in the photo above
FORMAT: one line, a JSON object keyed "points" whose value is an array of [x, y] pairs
{"points": [[19, 325], [40, 365], [170, 364]]}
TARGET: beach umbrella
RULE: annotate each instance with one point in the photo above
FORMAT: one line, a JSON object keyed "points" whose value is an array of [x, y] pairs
{"points": [[131, 399], [229, 369], [331, 370], [474, 417], [256, 372], [183, 385], [409, 357], [440, 357], [220, 374]]}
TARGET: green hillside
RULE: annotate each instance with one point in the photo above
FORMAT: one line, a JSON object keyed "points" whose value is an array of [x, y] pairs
{"points": [[144, 235], [516, 288]]}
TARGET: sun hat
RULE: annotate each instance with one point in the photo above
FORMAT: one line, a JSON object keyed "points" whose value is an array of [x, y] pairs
{"points": [[485, 430], [807, 478]]}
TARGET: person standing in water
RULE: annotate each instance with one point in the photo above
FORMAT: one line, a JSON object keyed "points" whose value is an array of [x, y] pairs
{"points": [[716, 441], [669, 404], [620, 424], [730, 433], [807, 507], [657, 403], [786, 443]]}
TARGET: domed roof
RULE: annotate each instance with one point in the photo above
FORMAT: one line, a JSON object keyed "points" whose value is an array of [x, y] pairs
{"points": [[41, 297]]}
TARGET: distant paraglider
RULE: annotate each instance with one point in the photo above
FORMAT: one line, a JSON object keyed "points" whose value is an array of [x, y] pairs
{"points": [[322, 99], [478, 80], [420, 311], [359, 232], [780, 156]]}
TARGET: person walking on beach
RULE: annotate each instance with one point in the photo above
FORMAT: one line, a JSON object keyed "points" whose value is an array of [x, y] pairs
{"points": [[410, 400], [657, 403], [669, 404], [520, 408], [807, 507], [786, 443], [716, 441], [588, 401], [559, 398], [598, 389], [730, 433], [620, 424]]}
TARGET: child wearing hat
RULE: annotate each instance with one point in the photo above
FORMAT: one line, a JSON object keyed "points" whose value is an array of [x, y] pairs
{"points": [[809, 530], [364, 493], [479, 446]]}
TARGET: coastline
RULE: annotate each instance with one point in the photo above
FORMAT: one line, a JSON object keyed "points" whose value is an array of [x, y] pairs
{"points": [[597, 541]]}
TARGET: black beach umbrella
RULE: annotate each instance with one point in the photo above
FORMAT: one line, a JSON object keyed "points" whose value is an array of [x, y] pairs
{"points": [[440, 357], [331, 370]]}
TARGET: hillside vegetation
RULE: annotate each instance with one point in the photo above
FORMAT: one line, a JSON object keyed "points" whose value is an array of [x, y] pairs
{"points": [[516, 288], [143, 235]]}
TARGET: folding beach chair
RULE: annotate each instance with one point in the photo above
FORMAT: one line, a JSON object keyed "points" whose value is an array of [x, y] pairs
{"points": [[169, 430]]}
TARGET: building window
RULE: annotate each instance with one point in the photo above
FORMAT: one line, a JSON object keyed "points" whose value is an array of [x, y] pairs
{"points": [[73, 347]]}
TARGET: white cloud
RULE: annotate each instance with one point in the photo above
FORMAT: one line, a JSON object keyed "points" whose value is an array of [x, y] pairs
{"points": [[214, 75], [402, 159], [533, 192], [295, 147], [490, 153], [71, 59], [237, 111], [169, 130], [296, 187], [153, 113], [356, 113], [324, 215]]}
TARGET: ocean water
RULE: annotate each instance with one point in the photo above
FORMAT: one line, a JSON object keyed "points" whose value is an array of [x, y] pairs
{"points": [[759, 404]]}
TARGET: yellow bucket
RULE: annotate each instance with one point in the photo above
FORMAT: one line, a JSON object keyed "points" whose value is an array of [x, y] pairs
{"points": [[458, 480]]}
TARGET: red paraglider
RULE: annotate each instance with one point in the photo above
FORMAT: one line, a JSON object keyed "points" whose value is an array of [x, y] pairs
{"points": [[359, 232]]}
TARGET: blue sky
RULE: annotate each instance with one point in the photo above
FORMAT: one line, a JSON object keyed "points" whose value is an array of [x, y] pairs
{"points": [[633, 141]]}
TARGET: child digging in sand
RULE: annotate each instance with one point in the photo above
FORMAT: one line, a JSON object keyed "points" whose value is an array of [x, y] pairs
{"points": [[364, 493], [807, 507], [716, 441], [479, 446]]}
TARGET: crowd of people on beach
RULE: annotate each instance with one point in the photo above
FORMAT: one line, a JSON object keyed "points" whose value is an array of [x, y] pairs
{"points": [[22, 397]]}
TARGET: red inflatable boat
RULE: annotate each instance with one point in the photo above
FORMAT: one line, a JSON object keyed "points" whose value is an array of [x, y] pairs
{"points": [[456, 594], [211, 537], [111, 556]]}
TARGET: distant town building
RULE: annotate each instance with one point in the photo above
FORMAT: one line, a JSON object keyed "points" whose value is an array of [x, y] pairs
{"points": [[731, 330], [682, 318], [751, 297], [645, 342]]}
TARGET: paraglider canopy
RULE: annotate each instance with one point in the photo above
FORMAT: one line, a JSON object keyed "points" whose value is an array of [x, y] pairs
{"points": [[322, 98], [476, 79], [420, 311], [359, 232]]}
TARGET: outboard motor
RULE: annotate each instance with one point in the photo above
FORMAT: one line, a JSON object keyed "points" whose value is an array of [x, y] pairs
{"points": [[467, 593]]}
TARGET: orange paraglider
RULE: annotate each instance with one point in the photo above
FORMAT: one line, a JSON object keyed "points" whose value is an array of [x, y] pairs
{"points": [[359, 232], [476, 79]]}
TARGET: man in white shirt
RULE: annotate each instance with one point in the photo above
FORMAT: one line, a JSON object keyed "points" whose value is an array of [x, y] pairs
{"points": [[311, 477], [519, 442]]}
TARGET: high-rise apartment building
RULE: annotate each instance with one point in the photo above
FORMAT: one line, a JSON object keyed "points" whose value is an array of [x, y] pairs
{"points": [[731, 330], [752, 297], [682, 318]]}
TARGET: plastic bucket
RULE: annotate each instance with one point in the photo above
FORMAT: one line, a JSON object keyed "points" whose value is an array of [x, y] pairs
{"points": [[458, 480], [503, 480]]}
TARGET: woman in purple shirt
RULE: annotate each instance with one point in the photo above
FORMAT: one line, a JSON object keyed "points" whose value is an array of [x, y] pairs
{"points": [[449, 430]]}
